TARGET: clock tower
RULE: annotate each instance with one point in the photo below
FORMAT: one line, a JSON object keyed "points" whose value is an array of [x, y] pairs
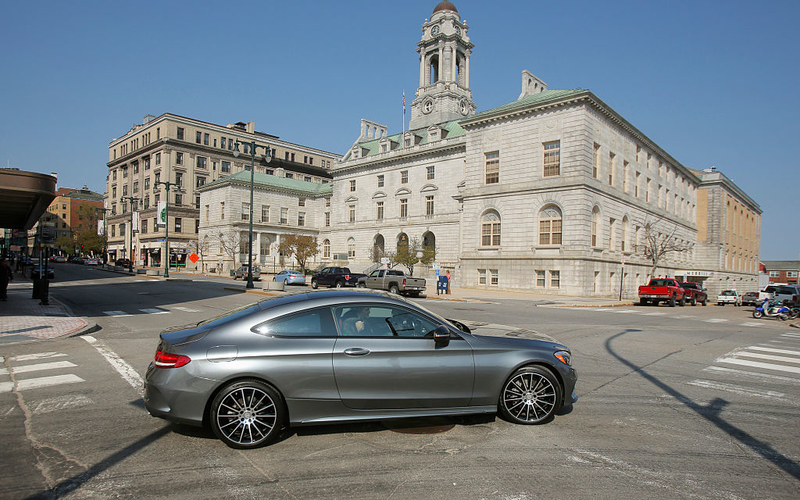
{"points": [[444, 51]]}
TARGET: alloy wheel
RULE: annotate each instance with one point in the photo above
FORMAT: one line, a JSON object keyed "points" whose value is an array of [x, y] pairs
{"points": [[246, 415], [530, 396]]}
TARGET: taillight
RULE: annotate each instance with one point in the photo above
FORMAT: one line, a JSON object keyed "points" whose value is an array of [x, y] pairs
{"points": [[347, 277], [404, 282], [167, 360]]}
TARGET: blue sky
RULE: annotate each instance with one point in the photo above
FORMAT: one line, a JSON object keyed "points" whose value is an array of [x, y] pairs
{"points": [[712, 82]]}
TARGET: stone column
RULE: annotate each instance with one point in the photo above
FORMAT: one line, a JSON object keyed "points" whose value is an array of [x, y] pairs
{"points": [[441, 62], [421, 69], [258, 247]]}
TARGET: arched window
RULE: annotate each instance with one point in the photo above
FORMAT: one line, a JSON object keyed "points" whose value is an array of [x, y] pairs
{"points": [[595, 221], [326, 249], [625, 224], [351, 248], [402, 242], [550, 226], [378, 248], [490, 229]]}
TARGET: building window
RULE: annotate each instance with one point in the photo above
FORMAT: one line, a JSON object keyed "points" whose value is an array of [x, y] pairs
{"points": [[114, 175], [113, 230], [114, 192], [289, 175], [180, 133], [125, 190], [301, 202], [178, 158], [481, 276], [403, 208], [327, 202], [625, 168], [264, 213], [404, 177], [774, 274], [791, 274], [595, 220], [611, 225], [490, 229], [636, 185], [550, 226], [351, 248], [429, 205], [197, 202], [205, 139], [352, 185], [201, 181], [178, 199], [379, 213], [495, 277], [431, 171], [301, 219], [178, 222], [284, 215], [245, 211], [222, 142], [179, 179], [492, 167], [226, 167], [222, 210], [540, 279], [198, 137], [596, 161], [144, 226], [202, 162], [326, 249], [555, 279], [327, 219], [552, 159], [135, 186], [611, 158], [351, 209], [136, 167], [380, 181], [158, 158]]}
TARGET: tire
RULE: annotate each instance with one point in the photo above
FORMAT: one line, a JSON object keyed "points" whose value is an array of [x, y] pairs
{"points": [[361, 284], [682, 302], [314, 284], [393, 289], [247, 414], [530, 396], [672, 301], [758, 314], [693, 301], [643, 302], [338, 284], [704, 302]]}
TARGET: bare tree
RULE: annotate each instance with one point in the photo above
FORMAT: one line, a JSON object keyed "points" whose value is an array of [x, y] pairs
{"points": [[660, 242], [201, 247], [230, 242]]}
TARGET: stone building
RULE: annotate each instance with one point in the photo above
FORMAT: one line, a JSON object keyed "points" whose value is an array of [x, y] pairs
{"points": [[72, 212], [188, 153]]}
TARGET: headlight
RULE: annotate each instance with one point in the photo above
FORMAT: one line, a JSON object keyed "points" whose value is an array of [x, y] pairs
{"points": [[564, 356]]}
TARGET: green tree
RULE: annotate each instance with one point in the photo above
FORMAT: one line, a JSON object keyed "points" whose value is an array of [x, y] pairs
{"points": [[66, 244], [90, 242], [406, 255], [301, 246]]}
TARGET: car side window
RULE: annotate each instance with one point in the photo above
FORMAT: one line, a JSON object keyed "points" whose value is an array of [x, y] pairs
{"points": [[373, 320], [314, 323]]}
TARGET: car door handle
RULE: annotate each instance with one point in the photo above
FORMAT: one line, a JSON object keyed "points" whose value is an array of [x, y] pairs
{"points": [[356, 351]]}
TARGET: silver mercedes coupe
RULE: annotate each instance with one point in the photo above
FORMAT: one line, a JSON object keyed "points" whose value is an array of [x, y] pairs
{"points": [[335, 356]]}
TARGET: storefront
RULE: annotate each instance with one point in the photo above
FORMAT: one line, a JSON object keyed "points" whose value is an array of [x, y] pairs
{"points": [[154, 257], [692, 276]]}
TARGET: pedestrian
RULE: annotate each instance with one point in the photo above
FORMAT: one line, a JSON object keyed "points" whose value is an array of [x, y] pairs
{"points": [[6, 275], [448, 281]]}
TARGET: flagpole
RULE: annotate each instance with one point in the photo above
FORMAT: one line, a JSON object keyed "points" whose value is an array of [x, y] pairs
{"points": [[403, 128]]}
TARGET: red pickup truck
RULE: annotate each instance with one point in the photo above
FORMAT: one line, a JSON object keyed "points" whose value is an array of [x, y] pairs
{"points": [[695, 293], [662, 290]]}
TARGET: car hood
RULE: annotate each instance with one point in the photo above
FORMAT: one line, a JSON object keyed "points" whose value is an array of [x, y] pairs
{"points": [[493, 332]]}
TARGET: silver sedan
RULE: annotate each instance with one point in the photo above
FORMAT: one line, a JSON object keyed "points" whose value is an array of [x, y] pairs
{"points": [[290, 277], [334, 356]]}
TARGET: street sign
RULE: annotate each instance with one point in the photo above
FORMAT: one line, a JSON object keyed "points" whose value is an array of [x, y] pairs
{"points": [[194, 258], [384, 260]]}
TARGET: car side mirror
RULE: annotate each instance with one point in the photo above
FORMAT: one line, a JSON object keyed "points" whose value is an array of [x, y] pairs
{"points": [[441, 336]]}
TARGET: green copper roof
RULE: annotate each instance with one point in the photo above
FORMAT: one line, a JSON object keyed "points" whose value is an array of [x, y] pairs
{"points": [[533, 99], [452, 128], [274, 181]]}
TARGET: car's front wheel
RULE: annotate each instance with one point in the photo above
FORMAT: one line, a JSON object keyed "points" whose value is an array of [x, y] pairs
{"points": [[247, 414], [530, 396], [314, 284]]}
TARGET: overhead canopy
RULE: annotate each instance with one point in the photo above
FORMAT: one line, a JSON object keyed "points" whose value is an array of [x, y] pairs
{"points": [[24, 197]]}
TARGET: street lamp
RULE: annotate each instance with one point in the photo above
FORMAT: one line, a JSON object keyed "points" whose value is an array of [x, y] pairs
{"points": [[105, 233], [267, 159], [133, 200], [167, 185]]}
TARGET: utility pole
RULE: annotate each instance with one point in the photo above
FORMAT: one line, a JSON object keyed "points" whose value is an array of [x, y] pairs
{"points": [[167, 185]]}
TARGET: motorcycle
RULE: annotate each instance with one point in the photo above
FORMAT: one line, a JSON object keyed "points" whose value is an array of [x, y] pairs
{"points": [[772, 309]]}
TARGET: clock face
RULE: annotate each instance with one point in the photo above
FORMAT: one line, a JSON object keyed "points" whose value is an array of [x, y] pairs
{"points": [[463, 107], [458, 30], [435, 30], [427, 107]]}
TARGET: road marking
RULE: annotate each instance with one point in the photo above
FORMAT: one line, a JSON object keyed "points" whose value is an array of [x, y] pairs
{"points": [[744, 391], [716, 320], [655, 314], [757, 364], [6, 386], [756, 375], [36, 383], [42, 366], [791, 335], [154, 310], [117, 314], [768, 357], [187, 309], [753, 323], [626, 311], [128, 373], [684, 316], [38, 356], [778, 351], [61, 403]]}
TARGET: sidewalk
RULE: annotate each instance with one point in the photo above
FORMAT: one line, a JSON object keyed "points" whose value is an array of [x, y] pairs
{"points": [[535, 298], [23, 319]]}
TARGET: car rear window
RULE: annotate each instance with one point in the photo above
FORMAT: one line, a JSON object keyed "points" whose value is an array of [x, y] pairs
{"points": [[661, 283]]}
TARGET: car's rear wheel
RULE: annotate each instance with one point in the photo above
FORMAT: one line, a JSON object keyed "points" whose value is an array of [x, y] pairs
{"points": [[394, 289], [672, 301], [693, 301], [338, 284], [530, 396], [314, 284], [361, 284], [643, 302], [247, 414]]}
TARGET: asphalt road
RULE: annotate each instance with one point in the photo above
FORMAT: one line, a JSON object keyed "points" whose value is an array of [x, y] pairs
{"points": [[692, 402]]}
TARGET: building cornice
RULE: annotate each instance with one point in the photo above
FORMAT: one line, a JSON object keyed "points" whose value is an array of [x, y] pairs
{"points": [[402, 156]]}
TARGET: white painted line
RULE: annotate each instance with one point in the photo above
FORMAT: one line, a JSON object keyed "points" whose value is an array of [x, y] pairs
{"points": [[684, 317], [767, 357], [187, 309], [755, 375], [6, 386], [626, 311], [55, 365], [655, 314], [743, 391], [117, 314], [61, 403], [153, 310], [756, 364], [36, 383], [753, 323], [38, 356], [124, 369], [792, 335], [3, 371], [141, 281], [777, 351], [716, 320]]}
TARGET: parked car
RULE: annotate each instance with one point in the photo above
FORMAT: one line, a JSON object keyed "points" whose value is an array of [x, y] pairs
{"points": [[290, 277], [300, 359], [91, 261], [788, 294], [750, 299], [695, 293], [58, 258], [122, 262], [36, 272], [394, 281], [77, 260], [335, 277], [241, 273], [729, 297], [662, 290]]}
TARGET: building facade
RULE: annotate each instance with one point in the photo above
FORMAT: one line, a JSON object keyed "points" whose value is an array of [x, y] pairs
{"points": [[72, 212], [188, 154], [782, 271]]}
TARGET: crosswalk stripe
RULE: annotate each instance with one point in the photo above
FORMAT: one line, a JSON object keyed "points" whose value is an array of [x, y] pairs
{"points": [[655, 314], [752, 323], [716, 320], [755, 375], [745, 391], [684, 317], [626, 311], [36, 383], [38, 356], [768, 357], [186, 309], [6, 386], [779, 351], [117, 314], [153, 310], [792, 335], [758, 364], [42, 366]]}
